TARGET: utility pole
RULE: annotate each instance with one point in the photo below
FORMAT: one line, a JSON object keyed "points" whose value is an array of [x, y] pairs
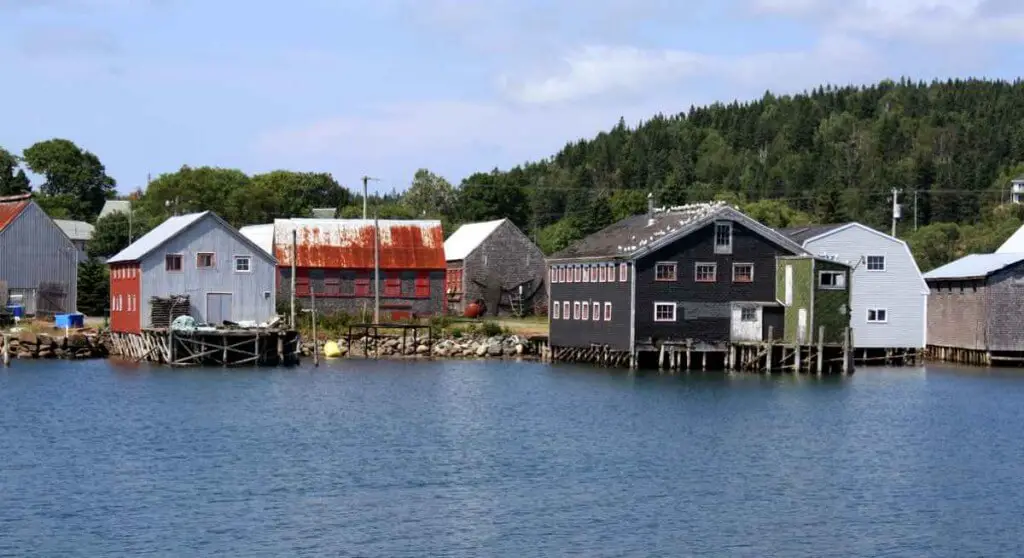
{"points": [[295, 237], [365, 180], [376, 269], [895, 209], [915, 209]]}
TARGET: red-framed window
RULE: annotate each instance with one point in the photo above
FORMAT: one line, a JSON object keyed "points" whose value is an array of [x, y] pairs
{"points": [[363, 286], [301, 282], [423, 285], [392, 284], [332, 283]]}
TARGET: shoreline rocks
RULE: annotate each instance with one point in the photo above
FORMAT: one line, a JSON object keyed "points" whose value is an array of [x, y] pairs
{"points": [[464, 347], [76, 346]]}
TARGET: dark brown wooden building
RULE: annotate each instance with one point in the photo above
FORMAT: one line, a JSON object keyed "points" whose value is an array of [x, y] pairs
{"points": [[976, 309], [698, 275]]}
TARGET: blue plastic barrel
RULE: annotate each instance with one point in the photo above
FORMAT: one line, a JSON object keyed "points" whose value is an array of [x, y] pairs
{"points": [[16, 310]]}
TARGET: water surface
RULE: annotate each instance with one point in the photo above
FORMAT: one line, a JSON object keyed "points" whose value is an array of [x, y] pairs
{"points": [[504, 459]]}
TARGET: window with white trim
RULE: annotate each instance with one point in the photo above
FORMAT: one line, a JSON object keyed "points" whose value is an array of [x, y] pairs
{"points": [[561, 275], [593, 273], [665, 271], [555, 311], [243, 264], [623, 272], [551, 275], [723, 237], [742, 273], [596, 311], [705, 272], [585, 311], [748, 314], [878, 315], [875, 263], [664, 311], [832, 280], [577, 274], [603, 274], [586, 274], [607, 311], [565, 310], [575, 309]]}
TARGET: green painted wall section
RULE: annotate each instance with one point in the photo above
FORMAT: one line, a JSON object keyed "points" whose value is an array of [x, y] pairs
{"points": [[831, 307]]}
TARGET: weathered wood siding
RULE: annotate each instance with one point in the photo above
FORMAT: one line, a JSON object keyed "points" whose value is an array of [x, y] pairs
{"points": [[507, 256], [704, 310], [569, 332], [34, 250], [352, 294], [957, 314], [1004, 309], [253, 293], [899, 289], [794, 288]]}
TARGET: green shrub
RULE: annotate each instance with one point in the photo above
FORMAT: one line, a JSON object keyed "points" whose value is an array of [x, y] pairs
{"points": [[490, 329]]}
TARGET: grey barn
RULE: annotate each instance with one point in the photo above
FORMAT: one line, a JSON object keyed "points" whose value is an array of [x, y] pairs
{"points": [[495, 262], [38, 262]]}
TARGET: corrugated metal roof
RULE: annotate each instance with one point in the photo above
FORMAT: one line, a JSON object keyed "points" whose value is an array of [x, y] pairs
{"points": [[11, 207], [806, 232], [467, 238], [348, 243], [115, 206], [76, 230], [260, 235], [154, 238], [974, 265]]}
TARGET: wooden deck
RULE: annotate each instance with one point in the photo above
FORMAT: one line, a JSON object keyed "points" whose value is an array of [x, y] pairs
{"points": [[221, 347]]}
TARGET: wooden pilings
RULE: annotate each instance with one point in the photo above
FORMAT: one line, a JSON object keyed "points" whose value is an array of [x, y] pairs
{"points": [[223, 347], [972, 357]]}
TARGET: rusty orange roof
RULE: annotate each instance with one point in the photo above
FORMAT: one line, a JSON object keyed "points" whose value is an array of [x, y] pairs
{"points": [[348, 243], [11, 207]]}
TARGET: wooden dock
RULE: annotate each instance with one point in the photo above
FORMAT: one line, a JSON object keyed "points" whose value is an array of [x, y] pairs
{"points": [[220, 347]]}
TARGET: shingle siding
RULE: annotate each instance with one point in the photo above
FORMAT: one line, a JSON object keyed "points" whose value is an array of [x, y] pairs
{"points": [[899, 289], [956, 317], [248, 301], [507, 256], [1004, 296], [584, 333], [34, 250], [704, 309]]}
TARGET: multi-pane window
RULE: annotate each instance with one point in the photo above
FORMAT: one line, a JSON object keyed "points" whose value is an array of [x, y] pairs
{"points": [[577, 274], [585, 311], [204, 260], [593, 273], [603, 274], [565, 310], [748, 314], [705, 272], [665, 271], [576, 310], [878, 315], [555, 313], [623, 272], [596, 311], [607, 311], [586, 274], [243, 264], [664, 311], [832, 280], [172, 262], [876, 263], [742, 272], [723, 237]]}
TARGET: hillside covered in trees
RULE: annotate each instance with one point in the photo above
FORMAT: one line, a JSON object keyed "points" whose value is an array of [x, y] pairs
{"points": [[830, 155]]}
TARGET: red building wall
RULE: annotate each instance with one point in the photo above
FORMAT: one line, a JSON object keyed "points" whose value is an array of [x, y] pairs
{"points": [[125, 298]]}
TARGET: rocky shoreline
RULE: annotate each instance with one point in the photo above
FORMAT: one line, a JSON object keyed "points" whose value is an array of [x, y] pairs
{"points": [[466, 346], [80, 346]]}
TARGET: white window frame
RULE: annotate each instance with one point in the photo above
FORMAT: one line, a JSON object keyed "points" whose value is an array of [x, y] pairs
{"points": [[675, 271], [239, 258], [575, 309], [584, 310], [867, 316], [623, 272], [593, 273], [565, 310], [662, 305], [586, 274], [607, 311], [181, 259], [552, 275], [867, 264], [740, 264], [213, 260], [602, 274], [840, 286], [595, 311], [724, 248], [577, 274], [696, 272], [556, 311]]}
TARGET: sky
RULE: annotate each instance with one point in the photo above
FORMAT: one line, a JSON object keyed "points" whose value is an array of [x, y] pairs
{"points": [[384, 87]]}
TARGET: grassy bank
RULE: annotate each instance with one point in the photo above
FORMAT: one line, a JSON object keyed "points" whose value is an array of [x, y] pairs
{"points": [[336, 326]]}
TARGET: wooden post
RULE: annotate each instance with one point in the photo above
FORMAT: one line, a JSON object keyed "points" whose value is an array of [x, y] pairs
{"points": [[704, 360], [821, 348], [661, 356], [7, 350], [316, 340], [732, 357], [768, 357], [689, 356], [847, 351], [796, 356]]}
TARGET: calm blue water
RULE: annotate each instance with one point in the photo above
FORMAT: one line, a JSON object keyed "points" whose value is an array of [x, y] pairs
{"points": [[504, 459]]}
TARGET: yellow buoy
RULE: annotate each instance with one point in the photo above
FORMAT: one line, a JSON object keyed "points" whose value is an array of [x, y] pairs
{"points": [[331, 350]]}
